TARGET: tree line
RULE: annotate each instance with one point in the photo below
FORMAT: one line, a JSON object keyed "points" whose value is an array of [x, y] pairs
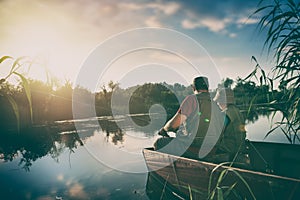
{"points": [[50, 104]]}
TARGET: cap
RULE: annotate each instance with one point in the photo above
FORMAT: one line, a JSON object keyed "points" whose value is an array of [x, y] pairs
{"points": [[224, 95]]}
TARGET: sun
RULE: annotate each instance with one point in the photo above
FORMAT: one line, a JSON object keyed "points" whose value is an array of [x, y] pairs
{"points": [[49, 44]]}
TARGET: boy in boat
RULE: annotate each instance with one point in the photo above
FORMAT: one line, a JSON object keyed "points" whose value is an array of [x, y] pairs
{"points": [[232, 141], [198, 125]]}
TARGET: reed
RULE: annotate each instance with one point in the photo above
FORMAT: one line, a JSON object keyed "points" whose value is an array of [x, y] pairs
{"points": [[281, 23], [16, 65], [220, 192]]}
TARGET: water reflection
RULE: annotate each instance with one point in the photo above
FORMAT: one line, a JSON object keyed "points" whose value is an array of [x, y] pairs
{"points": [[36, 143], [253, 115], [53, 140], [52, 161], [112, 130]]}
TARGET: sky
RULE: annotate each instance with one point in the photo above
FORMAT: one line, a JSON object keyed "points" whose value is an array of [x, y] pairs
{"points": [[186, 39]]}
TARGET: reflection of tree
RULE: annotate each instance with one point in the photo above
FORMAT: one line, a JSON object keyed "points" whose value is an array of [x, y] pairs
{"points": [[147, 125], [36, 143], [252, 115], [117, 137], [110, 127]]}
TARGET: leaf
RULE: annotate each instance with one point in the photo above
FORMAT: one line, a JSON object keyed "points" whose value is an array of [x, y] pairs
{"points": [[221, 176], [245, 182], [220, 194], [15, 108], [271, 82], [253, 58], [288, 137], [261, 80], [270, 131], [5, 58], [292, 3], [251, 105], [16, 63], [229, 190], [263, 74], [190, 192], [251, 74], [27, 92], [260, 9], [211, 194]]}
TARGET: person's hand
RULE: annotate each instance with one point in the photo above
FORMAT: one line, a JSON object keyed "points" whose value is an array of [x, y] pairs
{"points": [[163, 133]]}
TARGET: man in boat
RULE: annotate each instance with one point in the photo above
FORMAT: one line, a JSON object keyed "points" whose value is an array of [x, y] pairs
{"points": [[198, 125], [232, 141]]}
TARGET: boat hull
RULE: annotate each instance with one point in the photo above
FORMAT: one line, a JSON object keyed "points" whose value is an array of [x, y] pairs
{"points": [[191, 179]]}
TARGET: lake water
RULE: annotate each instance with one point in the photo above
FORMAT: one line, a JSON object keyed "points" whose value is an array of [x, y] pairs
{"points": [[99, 161]]}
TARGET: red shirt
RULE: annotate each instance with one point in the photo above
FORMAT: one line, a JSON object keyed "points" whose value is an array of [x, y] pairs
{"points": [[188, 106]]}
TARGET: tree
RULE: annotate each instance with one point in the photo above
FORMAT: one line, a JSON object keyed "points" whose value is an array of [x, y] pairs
{"points": [[228, 83]]}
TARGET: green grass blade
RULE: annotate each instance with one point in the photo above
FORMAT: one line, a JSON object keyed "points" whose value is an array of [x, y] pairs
{"points": [[190, 192], [3, 58], [164, 188], [220, 194], [15, 64], [211, 194], [229, 190], [245, 183], [27, 92]]}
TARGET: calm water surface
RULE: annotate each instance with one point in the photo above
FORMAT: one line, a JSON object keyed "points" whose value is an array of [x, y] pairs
{"points": [[93, 163]]}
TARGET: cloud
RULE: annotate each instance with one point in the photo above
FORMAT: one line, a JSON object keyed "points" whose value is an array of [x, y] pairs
{"points": [[232, 35], [150, 13], [218, 8], [153, 22], [242, 21], [130, 6], [217, 16], [77, 190], [168, 8], [82, 24], [60, 177], [213, 24]]}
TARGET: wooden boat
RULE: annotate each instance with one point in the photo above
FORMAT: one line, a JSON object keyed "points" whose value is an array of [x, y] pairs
{"points": [[274, 174]]}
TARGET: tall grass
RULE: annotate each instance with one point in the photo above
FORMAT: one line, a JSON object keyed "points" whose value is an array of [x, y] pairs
{"points": [[281, 23], [220, 192], [16, 65]]}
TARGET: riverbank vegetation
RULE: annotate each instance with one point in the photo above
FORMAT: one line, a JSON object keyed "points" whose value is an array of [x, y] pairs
{"points": [[50, 103], [34, 102]]}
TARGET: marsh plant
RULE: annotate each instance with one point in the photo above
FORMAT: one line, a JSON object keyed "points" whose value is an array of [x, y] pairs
{"points": [[14, 71], [281, 23]]}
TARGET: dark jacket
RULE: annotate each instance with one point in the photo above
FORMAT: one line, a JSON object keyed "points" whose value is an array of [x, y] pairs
{"points": [[233, 138]]}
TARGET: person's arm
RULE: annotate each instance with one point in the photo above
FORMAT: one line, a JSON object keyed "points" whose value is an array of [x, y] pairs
{"points": [[174, 123], [180, 117]]}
